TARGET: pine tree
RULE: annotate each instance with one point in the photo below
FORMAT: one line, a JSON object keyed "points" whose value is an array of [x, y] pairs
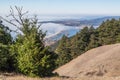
{"points": [[93, 42], [108, 31], [5, 41], [31, 56], [63, 51], [88, 38], [93, 39]]}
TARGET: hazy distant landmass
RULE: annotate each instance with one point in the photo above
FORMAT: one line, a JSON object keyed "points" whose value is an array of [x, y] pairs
{"points": [[57, 28], [79, 22]]}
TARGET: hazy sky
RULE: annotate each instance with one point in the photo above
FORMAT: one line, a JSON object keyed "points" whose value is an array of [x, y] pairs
{"points": [[99, 7]]}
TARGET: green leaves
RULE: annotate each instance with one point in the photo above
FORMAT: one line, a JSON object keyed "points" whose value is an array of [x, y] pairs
{"points": [[32, 57]]}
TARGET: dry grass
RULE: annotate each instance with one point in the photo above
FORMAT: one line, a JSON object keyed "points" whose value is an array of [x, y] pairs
{"points": [[102, 61], [13, 76], [20, 77]]}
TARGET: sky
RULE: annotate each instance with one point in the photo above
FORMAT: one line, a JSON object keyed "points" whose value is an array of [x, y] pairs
{"points": [[64, 7]]}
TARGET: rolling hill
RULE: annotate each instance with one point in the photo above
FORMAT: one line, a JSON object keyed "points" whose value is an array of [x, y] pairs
{"points": [[101, 61]]}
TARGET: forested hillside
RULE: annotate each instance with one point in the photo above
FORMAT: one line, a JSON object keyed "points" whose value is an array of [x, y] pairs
{"points": [[69, 48], [28, 55]]}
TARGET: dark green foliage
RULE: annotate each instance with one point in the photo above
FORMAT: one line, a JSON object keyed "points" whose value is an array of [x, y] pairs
{"points": [[88, 38], [93, 42], [79, 42], [32, 57], [82, 41], [5, 36], [63, 51], [5, 56], [93, 39], [109, 31], [25, 54], [28, 55]]}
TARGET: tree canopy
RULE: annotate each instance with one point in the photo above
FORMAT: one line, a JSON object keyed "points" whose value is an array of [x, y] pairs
{"points": [[31, 56], [5, 41], [88, 37]]}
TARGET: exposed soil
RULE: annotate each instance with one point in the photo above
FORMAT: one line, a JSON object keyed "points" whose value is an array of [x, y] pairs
{"points": [[103, 61]]}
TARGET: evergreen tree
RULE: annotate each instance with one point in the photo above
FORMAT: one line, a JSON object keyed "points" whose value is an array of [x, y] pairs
{"points": [[74, 46], [108, 32], [80, 42], [63, 51], [31, 56], [88, 38], [93, 39], [93, 42], [5, 41]]}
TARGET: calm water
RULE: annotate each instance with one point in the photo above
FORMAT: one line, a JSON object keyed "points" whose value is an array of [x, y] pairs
{"points": [[58, 29]]}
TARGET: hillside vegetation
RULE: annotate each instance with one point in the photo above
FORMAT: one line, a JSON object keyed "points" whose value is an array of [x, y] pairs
{"points": [[69, 48], [27, 54], [97, 62]]}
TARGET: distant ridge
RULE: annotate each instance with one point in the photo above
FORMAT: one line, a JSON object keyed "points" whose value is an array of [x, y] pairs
{"points": [[81, 22], [74, 23]]}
